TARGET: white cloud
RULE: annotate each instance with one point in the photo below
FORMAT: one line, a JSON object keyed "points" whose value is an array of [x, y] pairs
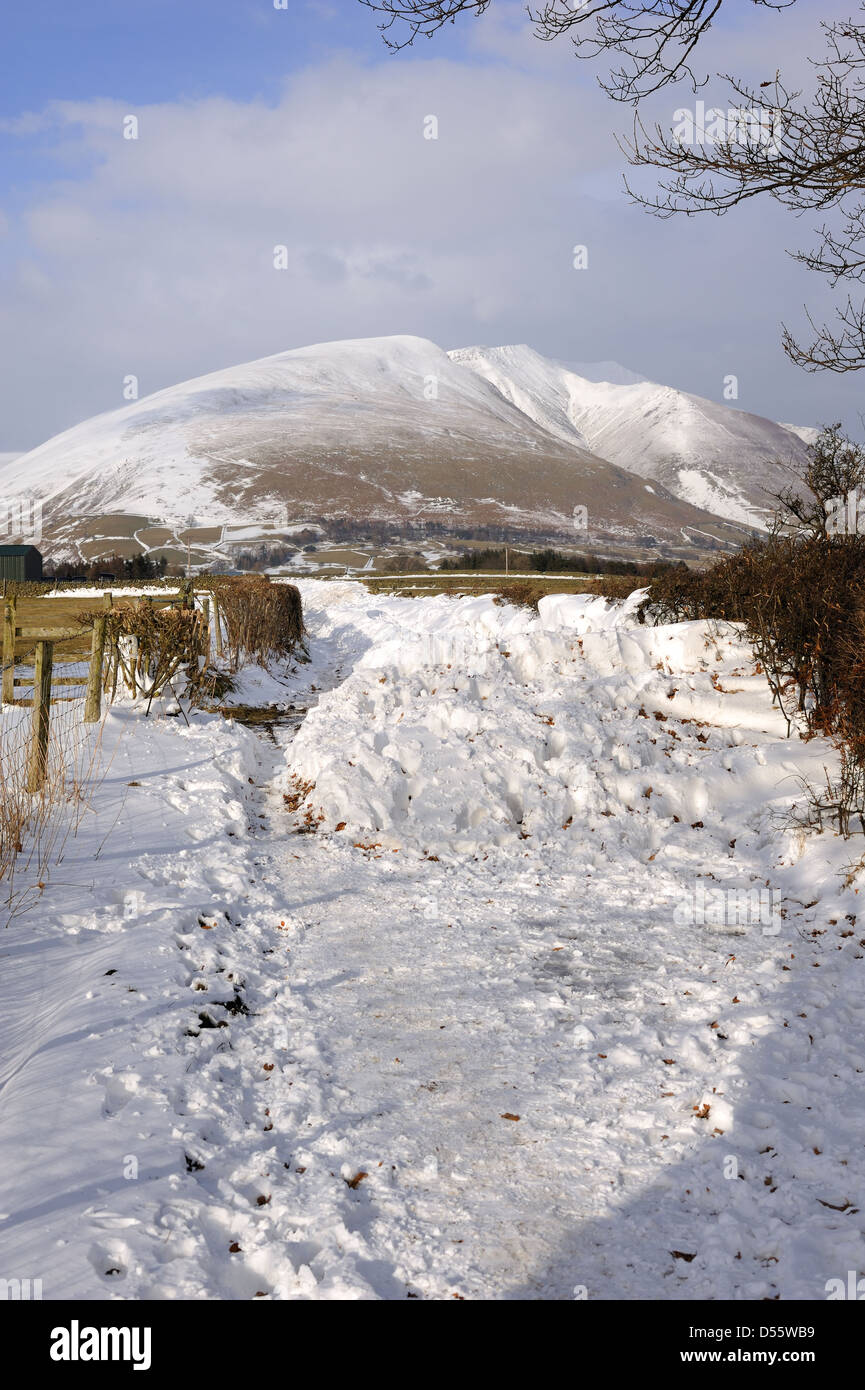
{"points": [[158, 260]]}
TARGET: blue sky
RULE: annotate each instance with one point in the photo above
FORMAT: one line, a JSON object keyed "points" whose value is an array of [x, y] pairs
{"points": [[263, 126], [160, 50]]}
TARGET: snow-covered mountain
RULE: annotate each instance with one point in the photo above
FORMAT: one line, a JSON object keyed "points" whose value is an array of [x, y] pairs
{"points": [[724, 460], [612, 372], [379, 428], [807, 433]]}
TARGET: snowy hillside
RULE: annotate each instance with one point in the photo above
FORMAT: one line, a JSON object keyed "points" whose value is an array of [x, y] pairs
{"points": [[231, 441], [378, 428], [612, 372], [807, 433], [715, 457]]}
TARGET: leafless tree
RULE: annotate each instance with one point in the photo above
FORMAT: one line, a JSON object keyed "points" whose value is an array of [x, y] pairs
{"points": [[835, 471], [655, 39], [805, 152], [808, 155]]}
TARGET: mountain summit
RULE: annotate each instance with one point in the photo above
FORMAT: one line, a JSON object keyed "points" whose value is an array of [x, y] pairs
{"points": [[395, 429]]}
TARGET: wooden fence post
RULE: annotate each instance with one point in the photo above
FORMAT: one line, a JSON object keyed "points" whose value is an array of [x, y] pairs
{"points": [[9, 652], [133, 653], [205, 627], [93, 702], [217, 625], [41, 715]]}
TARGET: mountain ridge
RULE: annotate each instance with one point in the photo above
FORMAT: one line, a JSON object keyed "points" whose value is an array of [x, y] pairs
{"points": [[389, 429], [727, 461]]}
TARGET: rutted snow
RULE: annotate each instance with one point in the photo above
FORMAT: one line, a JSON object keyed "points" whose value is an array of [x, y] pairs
{"points": [[464, 731], [394, 997]]}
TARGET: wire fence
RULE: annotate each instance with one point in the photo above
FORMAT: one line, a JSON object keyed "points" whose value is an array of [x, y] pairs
{"points": [[37, 820], [66, 658], [51, 735]]}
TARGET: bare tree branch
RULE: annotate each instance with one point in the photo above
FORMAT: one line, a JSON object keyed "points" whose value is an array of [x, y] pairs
{"points": [[806, 154], [656, 38]]}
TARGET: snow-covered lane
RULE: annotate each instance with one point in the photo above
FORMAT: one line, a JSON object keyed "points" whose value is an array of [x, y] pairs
{"points": [[640, 1056], [659, 1047], [492, 1037]]}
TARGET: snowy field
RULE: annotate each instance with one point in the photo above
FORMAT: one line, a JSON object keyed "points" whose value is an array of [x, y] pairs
{"points": [[512, 975]]}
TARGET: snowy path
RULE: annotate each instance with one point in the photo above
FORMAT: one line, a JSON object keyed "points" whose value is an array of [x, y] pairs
{"points": [[315, 1053], [399, 1045]]}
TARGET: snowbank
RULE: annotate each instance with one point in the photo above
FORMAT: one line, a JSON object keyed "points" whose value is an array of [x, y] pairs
{"points": [[245, 1063], [579, 613], [467, 723]]}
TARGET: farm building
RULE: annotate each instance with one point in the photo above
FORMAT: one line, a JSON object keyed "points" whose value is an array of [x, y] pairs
{"points": [[20, 562]]}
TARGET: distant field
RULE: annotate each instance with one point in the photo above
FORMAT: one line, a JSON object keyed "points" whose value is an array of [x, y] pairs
{"points": [[524, 587]]}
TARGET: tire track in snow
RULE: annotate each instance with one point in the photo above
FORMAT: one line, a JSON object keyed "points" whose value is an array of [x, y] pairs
{"points": [[345, 1134]]}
